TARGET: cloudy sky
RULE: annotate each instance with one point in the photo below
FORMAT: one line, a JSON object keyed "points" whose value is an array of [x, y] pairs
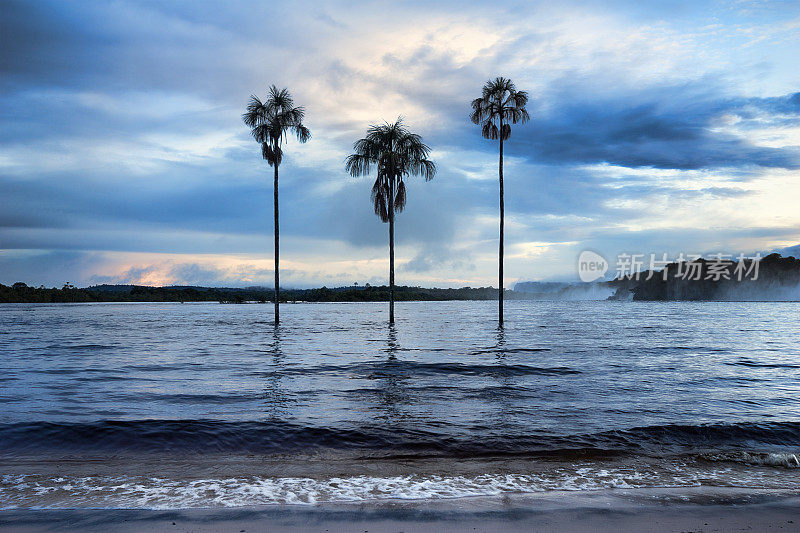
{"points": [[656, 129]]}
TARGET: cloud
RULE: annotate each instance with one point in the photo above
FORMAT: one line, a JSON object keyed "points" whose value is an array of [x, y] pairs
{"points": [[441, 260], [196, 274], [122, 135]]}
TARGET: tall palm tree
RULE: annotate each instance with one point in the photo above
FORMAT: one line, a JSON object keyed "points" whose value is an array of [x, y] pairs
{"points": [[499, 106], [271, 122], [395, 153]]}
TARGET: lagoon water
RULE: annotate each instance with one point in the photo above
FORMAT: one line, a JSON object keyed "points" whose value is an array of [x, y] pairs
{"points": [[205, 405]]}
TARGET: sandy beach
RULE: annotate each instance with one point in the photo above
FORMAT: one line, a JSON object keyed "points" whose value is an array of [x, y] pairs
{"points": [[643, 510]]}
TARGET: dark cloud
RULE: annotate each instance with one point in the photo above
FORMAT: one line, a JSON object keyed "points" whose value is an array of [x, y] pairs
{"points": [[670, 127], [35, 37], [49, 268]]}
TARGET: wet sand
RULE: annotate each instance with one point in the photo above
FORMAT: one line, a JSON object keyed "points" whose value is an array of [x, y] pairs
{"points": [[651, 510]]}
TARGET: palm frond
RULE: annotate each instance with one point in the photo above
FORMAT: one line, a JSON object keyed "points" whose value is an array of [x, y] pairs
{"points": [[380, 196], [303, 134], [427, 169], [489, 130], [367, 147], [520, 98], [294, 115], [253, 112], [400, 197], [264, 132], [280, 101], [271, 154], [481, 110], [358, 165], [515, 114]]}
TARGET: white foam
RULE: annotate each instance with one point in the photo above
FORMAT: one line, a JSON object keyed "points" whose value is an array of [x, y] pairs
{"points": [[160, 493], [786, 459], [39, 491], [789, 460]]}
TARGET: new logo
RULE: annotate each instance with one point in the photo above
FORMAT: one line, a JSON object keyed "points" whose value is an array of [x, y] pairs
{"points": [[591, 266]]}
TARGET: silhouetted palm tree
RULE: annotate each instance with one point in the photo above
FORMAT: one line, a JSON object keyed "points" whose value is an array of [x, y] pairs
{"points": [[499, 106], [270, 123], [395, 153]]}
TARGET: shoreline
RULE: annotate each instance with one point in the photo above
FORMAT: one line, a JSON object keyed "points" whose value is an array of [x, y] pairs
{"points": [[687, 509], [347, 478]]}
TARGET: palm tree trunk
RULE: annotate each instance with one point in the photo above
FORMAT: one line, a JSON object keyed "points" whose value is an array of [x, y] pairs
{"points": [[277, 249], [391, 252], [502, 225]]}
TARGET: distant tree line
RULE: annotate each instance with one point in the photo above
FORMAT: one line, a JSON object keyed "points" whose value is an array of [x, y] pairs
{"points": [[22, 293], [778, 278]]}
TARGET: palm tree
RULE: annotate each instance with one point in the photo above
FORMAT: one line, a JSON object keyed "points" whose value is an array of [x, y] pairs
{"points": [[499, 106], [271, 122], [395, 153]]}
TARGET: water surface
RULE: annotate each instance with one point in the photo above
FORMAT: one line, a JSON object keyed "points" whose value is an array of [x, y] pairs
{"points": [[170, 405]]}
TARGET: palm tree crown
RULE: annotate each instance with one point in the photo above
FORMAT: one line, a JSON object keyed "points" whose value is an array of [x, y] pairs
{"points": [[395, 153], [499, 106], [271, 121]]}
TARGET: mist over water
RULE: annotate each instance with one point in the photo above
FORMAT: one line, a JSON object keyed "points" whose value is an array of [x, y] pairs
{"points": [[769, 292], [575, 291], [208, 404]]}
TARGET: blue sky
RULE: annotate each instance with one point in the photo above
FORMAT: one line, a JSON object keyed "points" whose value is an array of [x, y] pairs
{"points": [[657, 128]]}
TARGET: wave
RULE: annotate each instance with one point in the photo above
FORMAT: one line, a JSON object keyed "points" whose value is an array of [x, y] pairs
{"points": [[782, 459], [79, 347], [165, 492], [275, 436], [756, 364], [501, 351], [422, 369], [21, 491], [411, 368]]}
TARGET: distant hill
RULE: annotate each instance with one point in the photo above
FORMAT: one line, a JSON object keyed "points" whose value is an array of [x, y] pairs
{"points": [[777, 279], [789, 251]]}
